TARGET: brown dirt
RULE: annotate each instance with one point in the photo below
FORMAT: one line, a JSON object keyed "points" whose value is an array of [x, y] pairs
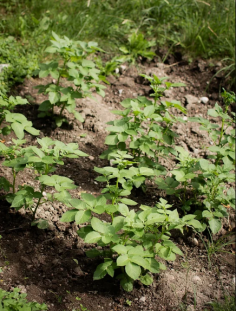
{"points": [[42, 263]]}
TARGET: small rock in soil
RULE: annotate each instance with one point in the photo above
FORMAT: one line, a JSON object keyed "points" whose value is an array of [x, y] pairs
{"points": [[196, 279], [142, 299], [22, 289], [190, 99], [204, 100]]}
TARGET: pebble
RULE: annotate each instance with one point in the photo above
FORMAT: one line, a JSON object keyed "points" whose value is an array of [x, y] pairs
{"points": [[122, 68], [185, 118], [204, 100], [91, 158], [142, 299], [78, 271], [195, 241], [196, 279], [190, 99], [22, 289]]}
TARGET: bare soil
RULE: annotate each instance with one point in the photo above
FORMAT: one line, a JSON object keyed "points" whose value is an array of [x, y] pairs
{"points": [[51, 265]]}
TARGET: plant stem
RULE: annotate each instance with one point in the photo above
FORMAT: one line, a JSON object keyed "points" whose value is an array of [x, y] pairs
{"points": [[62, 108], [14, 180], [39, 200]]}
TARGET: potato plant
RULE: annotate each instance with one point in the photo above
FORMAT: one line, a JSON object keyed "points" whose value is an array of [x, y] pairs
{"points": [[133, 238], [17, 121], [144, 130], [73, 66], [42, 161]]}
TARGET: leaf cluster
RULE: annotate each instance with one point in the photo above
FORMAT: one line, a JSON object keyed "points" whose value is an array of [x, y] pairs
{"points": [[74, 67], [15, 301]]}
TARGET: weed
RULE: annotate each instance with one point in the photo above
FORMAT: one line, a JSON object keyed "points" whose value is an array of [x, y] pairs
{"points": [[128, 302], [136, 46], [22, 62], [16, 301], [218, 246], [227, 305]]}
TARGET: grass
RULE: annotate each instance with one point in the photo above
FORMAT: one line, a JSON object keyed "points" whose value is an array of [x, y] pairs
{"points": [[227, 305], [201, 28]]}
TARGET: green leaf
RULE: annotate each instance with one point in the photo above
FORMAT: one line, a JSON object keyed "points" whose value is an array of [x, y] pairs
{"points": [[148, 111], [212, 113], [188, 217], [179, 175], [133, 270], [122, 260], [120, 249], [101, 270], [88, 63], [18, 201], [32, 130], [118, 223], [195, 223], [128, 201], [92, 253], [155, 218], [89, 199], [18, 129], [123, 209], [146, 279], [154, 265], [126, 284], [111, 140], [204, 164], [92, 237], [42, 224], [207, 214], [215, 225], [54, 97], [139, 261], [78, 116], [98, 225], [69, 216], [82, 216], [146, 171]]}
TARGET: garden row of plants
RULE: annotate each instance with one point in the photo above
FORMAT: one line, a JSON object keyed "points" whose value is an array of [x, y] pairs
{"points": [[136, 239]]}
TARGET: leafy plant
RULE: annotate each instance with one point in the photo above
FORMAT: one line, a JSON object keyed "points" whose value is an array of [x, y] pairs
{"points": [[18, 122], [136, 46], [22, 62], [42, 161], [144, 130], [128, 302], [218, 246], [132, 239], [14, 301], [227, 305], [107, 68], [73, 66]]}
